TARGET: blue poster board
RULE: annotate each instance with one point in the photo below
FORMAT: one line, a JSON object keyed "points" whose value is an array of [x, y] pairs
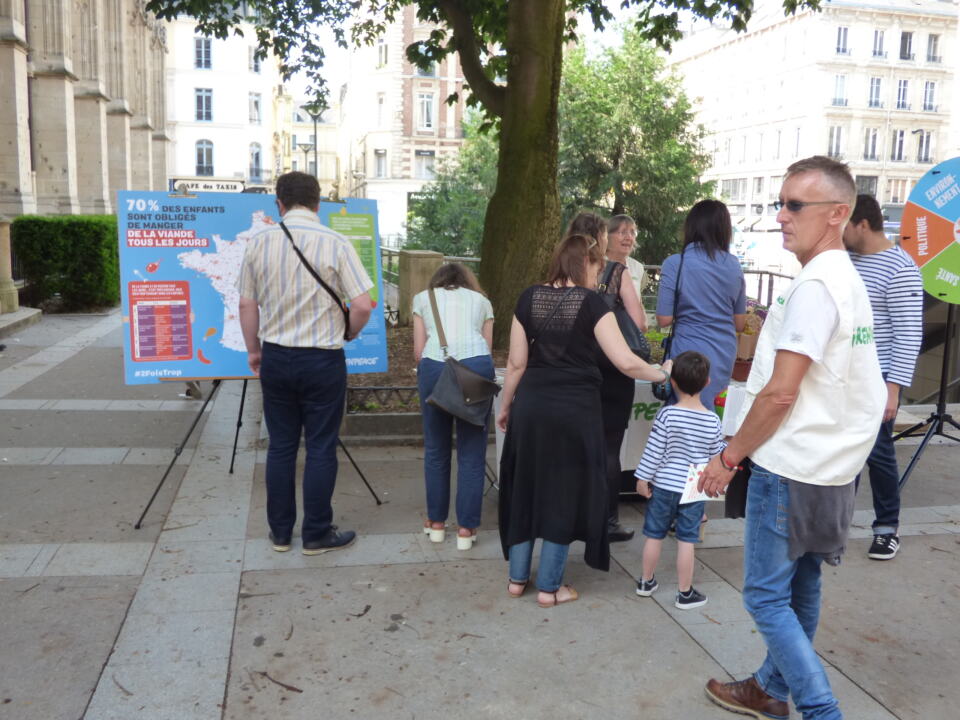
{"points": [[179, 262]]}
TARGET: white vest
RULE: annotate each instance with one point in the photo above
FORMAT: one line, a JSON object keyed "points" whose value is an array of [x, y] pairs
{"points": [[832, 426]]}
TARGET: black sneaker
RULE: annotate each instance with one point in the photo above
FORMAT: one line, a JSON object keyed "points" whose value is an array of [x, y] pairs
{"points": [[690, 599], [618, 533], [333, 540], [281, 544], [646, 588], [884, 547]]}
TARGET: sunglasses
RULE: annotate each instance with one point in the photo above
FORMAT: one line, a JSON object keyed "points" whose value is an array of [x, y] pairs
{"points": [[796, 206]]}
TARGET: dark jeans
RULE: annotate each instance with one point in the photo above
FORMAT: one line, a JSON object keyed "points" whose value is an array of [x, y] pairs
{"points": [[884, 482], [303, 391], [437, 445]]}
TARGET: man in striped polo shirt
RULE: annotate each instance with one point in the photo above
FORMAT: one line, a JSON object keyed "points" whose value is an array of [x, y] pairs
{"points": [[294, 331], [896, 296]]}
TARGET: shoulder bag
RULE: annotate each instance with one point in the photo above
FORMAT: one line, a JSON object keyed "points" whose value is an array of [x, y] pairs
{"points": [[661, 391], [316, 275], [636, 340], [460, 391]]}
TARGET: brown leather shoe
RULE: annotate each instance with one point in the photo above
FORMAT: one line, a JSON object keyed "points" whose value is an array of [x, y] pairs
{"points": [[747, 698]]}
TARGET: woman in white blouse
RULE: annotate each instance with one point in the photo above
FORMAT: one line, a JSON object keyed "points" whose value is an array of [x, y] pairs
{"points": [[467, 319]]}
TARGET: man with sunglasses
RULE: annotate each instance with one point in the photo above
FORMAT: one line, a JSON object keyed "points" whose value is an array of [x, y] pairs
{"points": [[813, 405]]}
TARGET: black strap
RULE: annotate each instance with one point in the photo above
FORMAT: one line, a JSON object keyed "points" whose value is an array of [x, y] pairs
{"points": [[316, 275], [676, 296], [553, 312]]}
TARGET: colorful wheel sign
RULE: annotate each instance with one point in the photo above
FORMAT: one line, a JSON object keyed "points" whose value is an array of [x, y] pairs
{"points": [[930, 230]]}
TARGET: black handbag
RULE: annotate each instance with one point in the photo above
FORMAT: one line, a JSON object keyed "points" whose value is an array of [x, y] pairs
{"points": [[662, 391], [336, 298], [636, 340], [460, 391]]}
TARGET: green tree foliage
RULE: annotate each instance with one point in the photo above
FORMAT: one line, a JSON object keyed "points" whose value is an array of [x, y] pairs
{"points": [[629, 142], [520, 41], [448, 214]]}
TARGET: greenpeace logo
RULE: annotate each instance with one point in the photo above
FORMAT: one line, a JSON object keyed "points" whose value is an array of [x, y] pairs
{"points": [[862, 336], [780, 300]]}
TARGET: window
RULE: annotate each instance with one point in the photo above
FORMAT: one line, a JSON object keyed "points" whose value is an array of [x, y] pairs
{"points": [[897, 191], [773, 187], [294, 142], [903, 91], [842, 48], [867, 185], [382, 55], [870, 144], [253, 61], [728, 150], [796, 144], [425, 111], [923, 147], [933, 49], [840, 90], [293, 165], [381, 103], [734, 190], [743, 148], [380, 164], [896, 146], [431, 71], [835, 142], [424, 165], [256, 166], [204, 158], [906, 46], [776, 150], [757, 188], [254, 108], [878, 51], [930, 96], [204, 98], [874, 100], [759, 155], [201, 53]]}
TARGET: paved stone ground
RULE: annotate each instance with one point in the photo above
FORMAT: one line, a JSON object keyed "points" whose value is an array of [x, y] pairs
{"points": [[194, 617]]}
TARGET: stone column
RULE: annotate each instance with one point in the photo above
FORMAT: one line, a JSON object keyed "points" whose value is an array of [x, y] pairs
{"points": [[116, 26], [416, 269], [16, 176], [158, 111], [141, 153], [139, 88], [90, 109], [9, 300], [51, 106]]}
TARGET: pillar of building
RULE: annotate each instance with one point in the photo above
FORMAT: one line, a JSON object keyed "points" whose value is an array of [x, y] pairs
{"points": [[139, 92], [9, 299], [16, 176], [90, 109], [158, 112], [52, 122], [141, 153], [116, 27]]}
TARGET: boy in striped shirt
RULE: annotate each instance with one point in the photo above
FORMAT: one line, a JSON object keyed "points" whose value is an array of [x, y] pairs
{"points": [[896, 298], [682, 435]]}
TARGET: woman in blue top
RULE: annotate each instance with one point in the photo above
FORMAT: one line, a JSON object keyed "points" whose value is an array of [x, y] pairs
{"points": [[711, 306], [467, 319]]}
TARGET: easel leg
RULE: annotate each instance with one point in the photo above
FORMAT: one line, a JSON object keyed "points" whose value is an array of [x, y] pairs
{"points": [[176, 452], [359, 471], [236, 437]]}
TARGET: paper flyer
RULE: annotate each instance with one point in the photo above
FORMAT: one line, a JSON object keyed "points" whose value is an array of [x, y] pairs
{"points": [[690, 492]]}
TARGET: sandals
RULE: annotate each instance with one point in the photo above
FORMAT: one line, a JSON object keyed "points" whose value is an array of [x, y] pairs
{"points": [[465, 542], [437, 534], [557, 601], [523, 588]]}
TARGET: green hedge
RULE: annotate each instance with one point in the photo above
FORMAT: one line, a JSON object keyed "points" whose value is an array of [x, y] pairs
{"points": [[73, 256]]}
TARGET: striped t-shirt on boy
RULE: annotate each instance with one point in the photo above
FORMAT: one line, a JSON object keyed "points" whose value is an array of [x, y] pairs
{"points": [[896, 296], [678, 439]]}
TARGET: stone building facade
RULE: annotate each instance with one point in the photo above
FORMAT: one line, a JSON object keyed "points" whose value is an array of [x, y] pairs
{"points": [[84, 111]]}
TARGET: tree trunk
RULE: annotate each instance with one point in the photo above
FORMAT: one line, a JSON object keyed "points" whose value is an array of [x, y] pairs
{"points": [[523, 218]]}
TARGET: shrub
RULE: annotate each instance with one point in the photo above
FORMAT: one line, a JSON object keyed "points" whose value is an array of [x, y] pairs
{"points": [[73, 256]]}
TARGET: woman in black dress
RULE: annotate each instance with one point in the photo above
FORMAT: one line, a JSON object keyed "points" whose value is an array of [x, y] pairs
{"points": [[552, 469]]}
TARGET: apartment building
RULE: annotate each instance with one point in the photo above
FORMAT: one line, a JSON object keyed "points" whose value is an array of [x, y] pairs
{"points": [[869, 83], [227, 109], [315, 144], [395, 123]]}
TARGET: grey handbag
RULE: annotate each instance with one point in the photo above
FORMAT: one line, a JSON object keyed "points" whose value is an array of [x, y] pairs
{"points": [[460, 391]]}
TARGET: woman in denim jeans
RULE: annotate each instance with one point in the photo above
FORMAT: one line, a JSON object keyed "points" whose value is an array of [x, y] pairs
{"points": [[467, 319]]}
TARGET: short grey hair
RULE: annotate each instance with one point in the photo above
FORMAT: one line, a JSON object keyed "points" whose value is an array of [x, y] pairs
{"points": [[836, 172]]}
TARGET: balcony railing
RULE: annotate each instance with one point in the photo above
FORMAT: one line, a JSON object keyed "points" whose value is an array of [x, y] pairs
{"points": [[896, 158], [903, 105], [875, 103], [930, 107], [908, 56], [204, 170], [835, 154], [840, 102], [925, 159], [934, 58], [843, 51], [880, 54], [871, 156]]}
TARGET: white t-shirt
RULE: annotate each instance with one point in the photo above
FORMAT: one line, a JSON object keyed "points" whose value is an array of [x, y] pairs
{"points": [[462, 313], [809, 321]]}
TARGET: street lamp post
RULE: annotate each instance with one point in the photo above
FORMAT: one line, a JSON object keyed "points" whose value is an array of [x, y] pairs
{"points": [[306, 147], [316, 144]]}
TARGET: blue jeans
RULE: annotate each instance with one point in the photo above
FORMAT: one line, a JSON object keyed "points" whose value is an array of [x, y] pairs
{"points": [[553, 560], [437, 445], [784, 599], [303, 392], [663, 508], [884, 482]]}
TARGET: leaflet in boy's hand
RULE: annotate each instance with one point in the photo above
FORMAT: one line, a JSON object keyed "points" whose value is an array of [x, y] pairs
{"points": [[690, 492]]}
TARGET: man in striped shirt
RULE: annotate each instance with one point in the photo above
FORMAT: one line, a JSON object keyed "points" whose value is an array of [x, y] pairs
{"points": [[896, 297], [294, 331]]}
